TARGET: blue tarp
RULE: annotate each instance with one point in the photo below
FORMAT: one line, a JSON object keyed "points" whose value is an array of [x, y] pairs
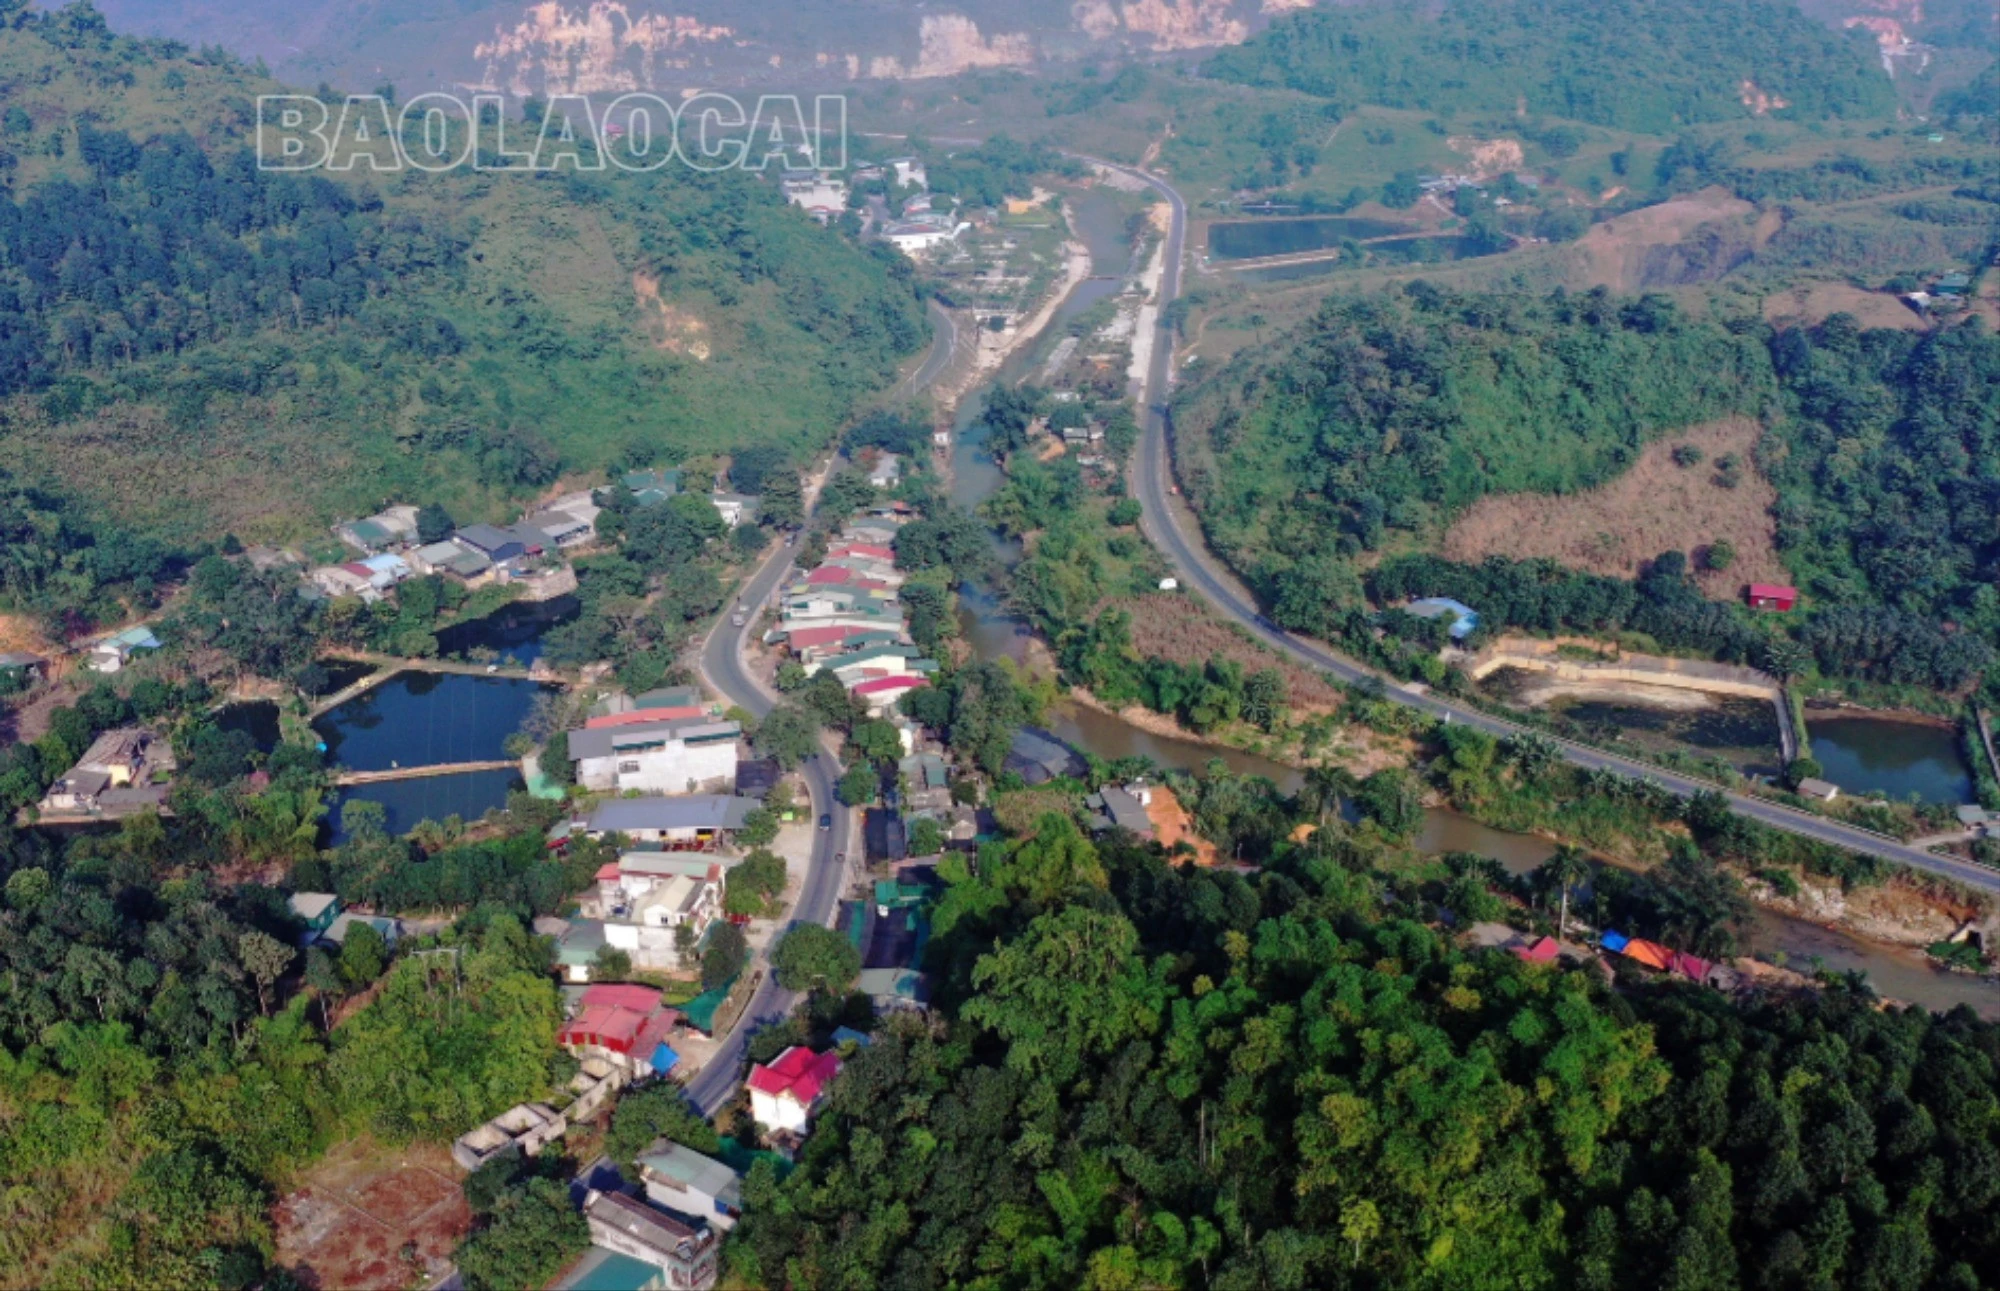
{"points": [[1615, 941], [664, 1058]]}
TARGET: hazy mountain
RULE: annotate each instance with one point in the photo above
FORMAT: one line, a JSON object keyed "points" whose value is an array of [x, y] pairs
{"points": [[612, 45]]}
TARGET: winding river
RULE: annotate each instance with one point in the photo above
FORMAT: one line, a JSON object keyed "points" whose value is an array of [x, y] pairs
{"points": [[993, 633]]}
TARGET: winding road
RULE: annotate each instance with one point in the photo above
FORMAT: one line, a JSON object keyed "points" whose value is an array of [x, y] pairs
{"points": [[1174, 530], [721, 666]]}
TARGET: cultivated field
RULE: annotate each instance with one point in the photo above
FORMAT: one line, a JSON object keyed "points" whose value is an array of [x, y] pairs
{"points": [[1656, 506], [373, 1216]]}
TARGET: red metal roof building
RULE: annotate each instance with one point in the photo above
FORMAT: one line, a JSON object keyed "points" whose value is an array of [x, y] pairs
{"points": [[1541, 952], [802, 638], [637, 715], [784, 1094], [625, 1023], [900, 681], [1773, 596], [868, 549]]}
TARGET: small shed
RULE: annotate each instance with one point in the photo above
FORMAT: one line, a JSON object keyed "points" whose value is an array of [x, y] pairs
{"points": [[1464, 619], [1541, 951], [1773, 596], [1818, 790]]}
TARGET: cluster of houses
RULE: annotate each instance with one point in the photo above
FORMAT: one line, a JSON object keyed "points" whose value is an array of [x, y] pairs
{"points": [[124, 771], [662, 1230], [391, 551], [659, 899], [1949, 292], [845, 617], [654, 485]]}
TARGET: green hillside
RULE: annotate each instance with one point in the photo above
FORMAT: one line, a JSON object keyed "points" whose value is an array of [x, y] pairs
{"points": [[191, 345], [1648, 65]]}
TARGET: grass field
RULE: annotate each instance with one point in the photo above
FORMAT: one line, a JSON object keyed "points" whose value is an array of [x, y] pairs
{"points": [[1654, 506]]}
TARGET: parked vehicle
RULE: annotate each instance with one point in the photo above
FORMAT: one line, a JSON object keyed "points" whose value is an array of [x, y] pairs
{"points": [[826, 821]]}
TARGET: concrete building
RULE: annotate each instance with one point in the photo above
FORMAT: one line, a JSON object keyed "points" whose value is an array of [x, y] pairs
{"points": [[682, 1179], [647, 926], [785, 1094], [115, 651], [525, 1128], [734, 508], [681, 755], [123, 770], [689, 1253]]}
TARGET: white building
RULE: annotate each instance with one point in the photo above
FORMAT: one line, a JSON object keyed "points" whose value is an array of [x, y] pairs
{"points": [[734, 508], [909, 170], [678, 755], [785, 1094], [647, 930], [919, 239], [115, 651]]}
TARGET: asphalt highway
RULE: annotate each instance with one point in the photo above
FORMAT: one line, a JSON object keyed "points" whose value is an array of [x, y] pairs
{"points": [[721, 664], [1174, 531]]}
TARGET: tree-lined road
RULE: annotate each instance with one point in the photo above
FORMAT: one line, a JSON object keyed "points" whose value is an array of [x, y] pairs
{"points": [[1174, 531]]}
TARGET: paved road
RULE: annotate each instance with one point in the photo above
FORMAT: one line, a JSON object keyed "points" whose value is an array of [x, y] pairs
{"points": [[721, 664], [1174, 531], [944, 346]]}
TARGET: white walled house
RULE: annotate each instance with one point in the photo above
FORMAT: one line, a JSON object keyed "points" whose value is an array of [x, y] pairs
{"points": [[680, 755], [785, 1094]]}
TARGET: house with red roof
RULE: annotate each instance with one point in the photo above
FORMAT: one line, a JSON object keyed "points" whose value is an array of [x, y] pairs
{"points": [[1773, 596], [785, 1094], [881, 693], [625, 1025]]}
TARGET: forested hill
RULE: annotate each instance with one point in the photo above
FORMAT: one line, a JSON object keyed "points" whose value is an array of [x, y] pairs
{"points": [[1648, 65], [1142, 1076], [197, 346], [1387, 416]]}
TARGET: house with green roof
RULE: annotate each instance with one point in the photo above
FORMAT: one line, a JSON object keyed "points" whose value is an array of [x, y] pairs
{"points": [[607, 1270], [654, 486], [682, 1179]]}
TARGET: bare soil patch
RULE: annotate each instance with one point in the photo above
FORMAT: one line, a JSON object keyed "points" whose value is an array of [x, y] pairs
{"points": [[1813, 303], [1615, 253], [373, 1216], [1183, 630], [1655, 506]]}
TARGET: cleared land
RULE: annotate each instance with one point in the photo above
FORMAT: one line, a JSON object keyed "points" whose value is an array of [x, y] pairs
{"points": [[1813, 303], [371, 1216], [1186, 631], [1654, 507]]}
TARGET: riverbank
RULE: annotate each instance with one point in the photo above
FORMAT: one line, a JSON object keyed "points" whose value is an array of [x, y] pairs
{"points": [[991, 350]]}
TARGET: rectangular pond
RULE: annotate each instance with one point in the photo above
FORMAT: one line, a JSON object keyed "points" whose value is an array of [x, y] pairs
{"points": [[468, 795], [1249, 239], [423, 718], [1898, 758]]}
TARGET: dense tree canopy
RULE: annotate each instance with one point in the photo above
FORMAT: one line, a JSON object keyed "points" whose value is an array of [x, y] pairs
{"points": [[1148, 1076], [1646, 65]]}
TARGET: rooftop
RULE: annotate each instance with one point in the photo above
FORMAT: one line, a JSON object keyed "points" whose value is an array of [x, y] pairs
{"points": [[689, 811], [798, 1074], [689, 1168]]}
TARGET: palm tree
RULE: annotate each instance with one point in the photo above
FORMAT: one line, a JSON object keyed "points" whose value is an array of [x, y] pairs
{"points": [[1568, 867], [1325, 786]]}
